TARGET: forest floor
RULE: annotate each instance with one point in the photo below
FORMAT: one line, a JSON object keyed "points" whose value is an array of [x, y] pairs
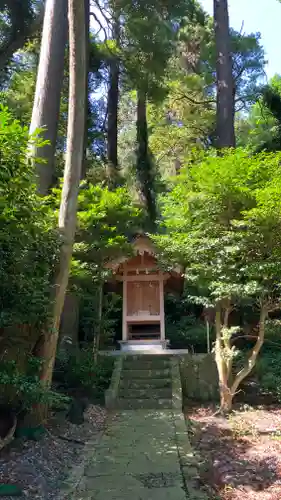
{"points": [[242, 454], [39, 467]]}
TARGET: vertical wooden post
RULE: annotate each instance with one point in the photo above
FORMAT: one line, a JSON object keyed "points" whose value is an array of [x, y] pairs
{"points": [[124, 327], [162, 311]]}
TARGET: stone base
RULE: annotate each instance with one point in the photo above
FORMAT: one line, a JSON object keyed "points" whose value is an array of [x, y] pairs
{"points": [[147, 346]]}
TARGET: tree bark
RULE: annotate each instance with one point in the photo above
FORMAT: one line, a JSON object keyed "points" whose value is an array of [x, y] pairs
{"points": [[112, 103], [225, 84], [72, 174], [97, 339], [224, 361], [87, 34], [48, 89], [246, 370], [145, 174]]}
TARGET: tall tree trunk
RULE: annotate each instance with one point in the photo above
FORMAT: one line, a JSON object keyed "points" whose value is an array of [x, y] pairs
{"points": [[48, 89], [225, 85], [112, 103], [72, 174], [97, 338], [145, 170], [87, 34]]}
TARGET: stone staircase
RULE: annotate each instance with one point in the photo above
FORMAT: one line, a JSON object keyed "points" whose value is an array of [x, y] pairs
{"points": [[145, 381]]}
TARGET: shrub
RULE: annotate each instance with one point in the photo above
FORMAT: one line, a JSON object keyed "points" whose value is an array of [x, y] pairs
{"points": [[76, 369], [268, 372], [183, 327], [28, 240], [22, 389]]}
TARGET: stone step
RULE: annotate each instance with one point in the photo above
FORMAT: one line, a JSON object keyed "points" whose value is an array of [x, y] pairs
{"points": [[145, 365], [148, 357], [141, 383], [143, 403], [158, 393], [145, 374]]}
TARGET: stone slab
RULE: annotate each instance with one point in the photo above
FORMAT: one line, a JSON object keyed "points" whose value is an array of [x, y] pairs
{"points": [[138, 458]]}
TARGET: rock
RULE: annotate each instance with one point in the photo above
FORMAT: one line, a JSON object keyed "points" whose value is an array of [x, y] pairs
{"points": [[76, 412]]}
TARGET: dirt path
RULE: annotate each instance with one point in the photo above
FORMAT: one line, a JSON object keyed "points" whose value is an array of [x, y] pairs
{"points": [[243, 453]]}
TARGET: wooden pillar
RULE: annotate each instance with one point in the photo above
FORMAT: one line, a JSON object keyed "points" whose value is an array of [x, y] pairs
{"points": [[124, 325], [162, 311]]}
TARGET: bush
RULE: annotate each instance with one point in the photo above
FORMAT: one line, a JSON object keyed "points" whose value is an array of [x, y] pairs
{"points": [[268, 372], [28, 240], [183, 327], [77, 370], [21, 390]]}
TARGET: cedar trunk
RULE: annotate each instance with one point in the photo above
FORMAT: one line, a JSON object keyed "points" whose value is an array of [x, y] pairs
{"points": [[225, 84], [112, 103], [145, 171], [87, 34], [48, 89], [72, 174]]}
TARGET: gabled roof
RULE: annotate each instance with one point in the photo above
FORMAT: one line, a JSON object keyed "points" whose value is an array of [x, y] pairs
{"points": [[140, 244]]}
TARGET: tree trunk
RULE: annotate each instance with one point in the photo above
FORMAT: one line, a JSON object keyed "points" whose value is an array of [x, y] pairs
{"points": [[221, 362], [112, 104], [87, 34], [246, 370], [224, 359], [48, 89], [72, 174], [98, 336], [225, 85], [145, 174]]}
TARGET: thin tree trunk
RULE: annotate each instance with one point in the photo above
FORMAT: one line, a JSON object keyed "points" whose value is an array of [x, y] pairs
{"points": [[48, 89], [225, 85], [72, 174], [98, 336], [224, 360], [246, 370], [112, 103]]}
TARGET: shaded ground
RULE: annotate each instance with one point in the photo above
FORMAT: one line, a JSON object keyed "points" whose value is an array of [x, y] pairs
{"points": [[39, 467], [242, 454]]}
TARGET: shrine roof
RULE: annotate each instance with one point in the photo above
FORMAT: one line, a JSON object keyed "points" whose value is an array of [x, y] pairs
{"points": [[141, 244]]}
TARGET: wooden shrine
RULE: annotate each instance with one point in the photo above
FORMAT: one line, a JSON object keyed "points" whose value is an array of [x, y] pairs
{"points": [[144, 284]]}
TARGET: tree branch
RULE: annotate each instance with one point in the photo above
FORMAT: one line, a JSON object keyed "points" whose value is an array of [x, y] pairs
{"points": [[102, 28], [246, 370], [193, 101], [18, 42]]}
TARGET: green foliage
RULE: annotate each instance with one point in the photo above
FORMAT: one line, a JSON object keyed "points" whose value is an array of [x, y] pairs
{"points": [[260, 129], [78, 370], [106, 219], [90, 323], [185, 118], [28, 241], [223, 222], [184, 328], [268, 372], [22, 389], [188, 333]]}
